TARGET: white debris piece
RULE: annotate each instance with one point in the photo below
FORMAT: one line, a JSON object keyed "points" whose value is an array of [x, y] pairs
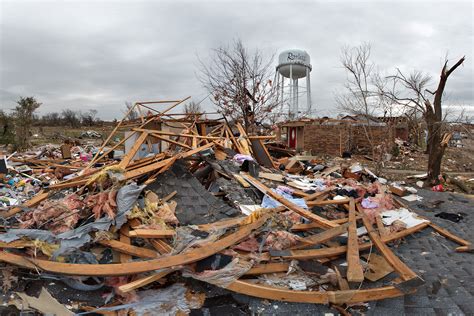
{"points": [[401, 214]]}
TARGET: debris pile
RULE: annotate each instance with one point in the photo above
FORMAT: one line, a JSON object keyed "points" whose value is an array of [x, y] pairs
{"points": [[201, 199]]}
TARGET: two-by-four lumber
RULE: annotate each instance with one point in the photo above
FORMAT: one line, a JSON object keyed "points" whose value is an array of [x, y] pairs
{"points": [[132, 152], [321, 237], [355, 272], [144, 281], [123, 233], [134, 267], [316, 195], [289, 205], [449, 235], [152, 233], [159, 164], [160, 245], [398, 265], [380, 226], [327, 202], [241, 180], [129, 249]]}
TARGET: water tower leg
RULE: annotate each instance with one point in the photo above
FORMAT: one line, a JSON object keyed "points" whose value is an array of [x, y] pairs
{"points": [[308, 91], [296, 98], [282, 89], [290, 103]]}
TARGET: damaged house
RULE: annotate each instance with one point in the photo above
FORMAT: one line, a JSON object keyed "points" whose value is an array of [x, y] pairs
{"points": [[335, 136]]}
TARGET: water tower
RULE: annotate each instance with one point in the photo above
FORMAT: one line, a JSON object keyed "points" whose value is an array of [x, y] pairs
{"points": [[294, 64]]}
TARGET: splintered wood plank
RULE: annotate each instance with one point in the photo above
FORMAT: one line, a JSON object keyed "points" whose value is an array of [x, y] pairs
{"points": [[322, 237], [271, 176], [327, 202], [129, 249], [378, 267], [129, 156], [248, 287], [316, 195], [341, 282], [241, 180], [152, 233], [144, 281], [383, 231], [157, 165], [308, 226], [169, 196], [124, 257], [355, 272], [134, 267], [402, 269], [174, 142], [273, 267], [465, 249], [161, 246], [289, 205], [449, 235]]}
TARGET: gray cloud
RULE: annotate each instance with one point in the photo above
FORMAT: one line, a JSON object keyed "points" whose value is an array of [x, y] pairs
{"points": [[98, 54]]}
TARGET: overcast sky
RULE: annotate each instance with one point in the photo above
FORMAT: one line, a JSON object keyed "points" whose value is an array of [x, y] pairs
{"points": [[98, 54]]}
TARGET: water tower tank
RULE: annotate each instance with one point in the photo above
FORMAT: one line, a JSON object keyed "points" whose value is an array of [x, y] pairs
{"points": [[294, 63]]}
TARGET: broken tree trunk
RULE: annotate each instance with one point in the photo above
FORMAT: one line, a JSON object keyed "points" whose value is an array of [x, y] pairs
{"points": [[434, 120]]}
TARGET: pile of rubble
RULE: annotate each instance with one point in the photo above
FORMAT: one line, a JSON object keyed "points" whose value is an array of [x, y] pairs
{"points": [[214, 206]]}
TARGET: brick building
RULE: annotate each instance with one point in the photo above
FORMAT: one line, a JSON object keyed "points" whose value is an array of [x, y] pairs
{"points": [[334, 136]]}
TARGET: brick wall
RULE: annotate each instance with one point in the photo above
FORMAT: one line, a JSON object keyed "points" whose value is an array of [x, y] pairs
{"points": [[331, 139]]}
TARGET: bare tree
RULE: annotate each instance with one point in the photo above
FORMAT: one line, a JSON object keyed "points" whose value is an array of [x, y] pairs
{"points": [[88, 118], [192, 108], [51, 119], [23, 115], [414, 95], [71, 118], [241, 84], [133, 114], [361, 96]]}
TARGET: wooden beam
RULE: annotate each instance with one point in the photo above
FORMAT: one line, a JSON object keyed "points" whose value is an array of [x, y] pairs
{"points": [[315, 297], [322, 237], [171, 141], [449, 235], [316, 195], [144, 281], [124, 238], [289, 205], [273, 267], [136, 146], [129, 249], [134, 267], [381, 227], [341, 282], [327, 202], [241, 180], [152, 233], [355, 272], [398, 265], [161, 246]]}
